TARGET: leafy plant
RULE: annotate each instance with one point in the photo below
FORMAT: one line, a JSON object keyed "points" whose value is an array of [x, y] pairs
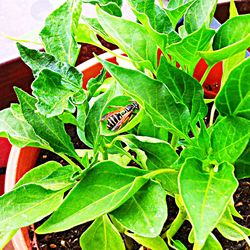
{"points": [[176, 151]]}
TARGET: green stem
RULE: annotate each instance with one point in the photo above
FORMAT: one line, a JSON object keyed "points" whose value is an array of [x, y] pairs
{"points": [[19, 40], [211, 120], [175, 226], [67, 159], [160, 171], [104, 153], [113, 53], [174, 141], [204, 77]]}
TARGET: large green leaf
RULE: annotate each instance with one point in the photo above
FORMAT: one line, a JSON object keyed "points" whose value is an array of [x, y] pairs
{"points": [[92, 122], [232, 38], [53, 97], [234, 97], [146, 212], [206, 203], [157, 99], [50, 175], [232, 230], [104, 188], [50, 129], [148, 128], [199, 12], [176, 9], [212, 243], [162, 37], [242, 165], [229, 138], [101, 235], [159, 154], [132, 38], [27, 204], [156, 243], [58, 34], [232, 31], [38, 61], [185, 88], [20, 133], [158, 18], [185, 51]]}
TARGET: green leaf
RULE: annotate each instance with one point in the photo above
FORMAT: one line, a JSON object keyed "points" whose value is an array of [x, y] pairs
{"points": [[104, 188], [234, 97], [147, 128], [232, 230], [50, 175], [38, 61], [132, 38], [185, 51], [94, 83], [212, 243], [20, 133], [156, 243], [157, 100], [58, 34], [184, 87], [159, 35], [205, 203], [103, 2], [27, 204], [92, 122], [232, 31], [68, 118], [200, 12], [176, 10], [5, 237], [53, 97], [229, 138], [242, 165], [85, 34], [213, 57], [231, 38], [112, 8], [146, 212], [158, 18], [159, 154], [50, 129], [101, 235]]}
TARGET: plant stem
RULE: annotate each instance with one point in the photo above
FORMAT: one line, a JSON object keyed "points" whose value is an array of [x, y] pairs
{"points": [[160, 171], [67, 159], [174, 141], [175, 226], [211, 120], [113, 53], [204, 77]]}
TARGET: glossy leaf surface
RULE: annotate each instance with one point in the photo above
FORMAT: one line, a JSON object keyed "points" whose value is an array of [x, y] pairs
{"points": [[234, 97], [146, 212], [104, 187], [101, 235], [205, 203], [50, 175], [58, 34], [158, 101], [50, 129], [26, 205]]}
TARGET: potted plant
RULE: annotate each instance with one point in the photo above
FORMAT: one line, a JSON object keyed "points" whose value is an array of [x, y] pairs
{"points": [[144, 127]]}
